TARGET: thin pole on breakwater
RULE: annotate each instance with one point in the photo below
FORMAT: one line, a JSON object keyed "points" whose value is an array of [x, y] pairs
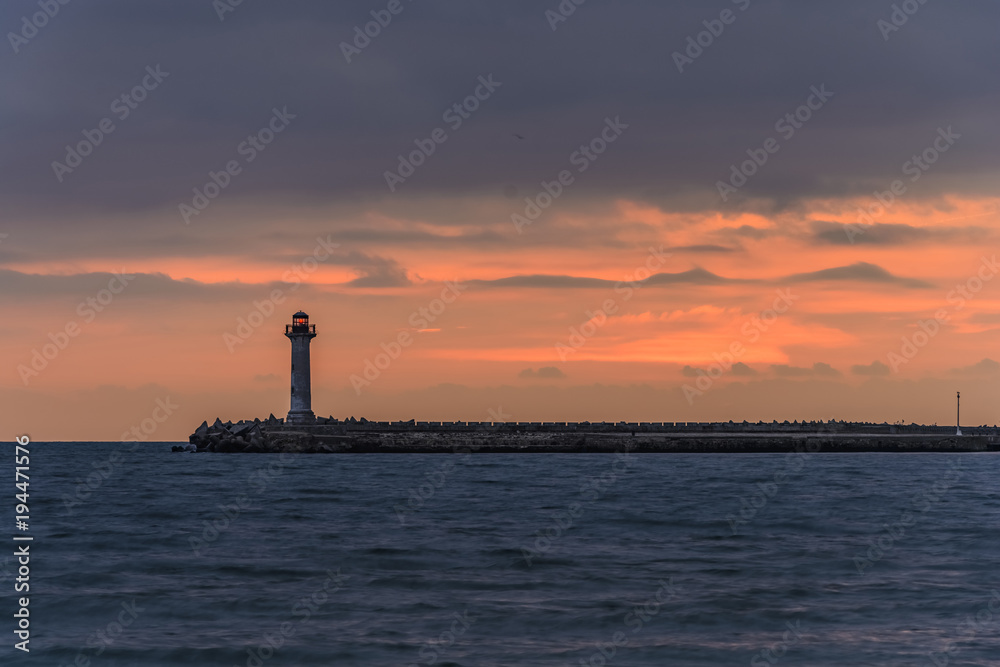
{"points": [[958, 413]]}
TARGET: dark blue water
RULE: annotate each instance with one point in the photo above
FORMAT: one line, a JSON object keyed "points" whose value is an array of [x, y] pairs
{"points": [[865, 559]]}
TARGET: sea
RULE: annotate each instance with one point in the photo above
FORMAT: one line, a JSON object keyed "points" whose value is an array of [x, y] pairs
{"points": [[142, 556]]}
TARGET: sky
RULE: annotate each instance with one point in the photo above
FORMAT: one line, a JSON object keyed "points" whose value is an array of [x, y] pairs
{"points": [[525, 211]]}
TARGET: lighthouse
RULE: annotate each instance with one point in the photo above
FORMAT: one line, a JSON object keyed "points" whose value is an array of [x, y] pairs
{"points": [[301, 333]]}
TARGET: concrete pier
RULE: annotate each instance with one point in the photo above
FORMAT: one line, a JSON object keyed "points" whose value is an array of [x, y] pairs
{"points": [[329, 435]]}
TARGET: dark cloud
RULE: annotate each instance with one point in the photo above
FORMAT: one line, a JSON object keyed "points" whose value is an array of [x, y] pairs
{"points": [[876, 368], [378, 272], [19, 286], [782, 370], [878, 234], [354, 119], [415, 237], [985, 367], [819, 369], [373, 271], [696, 276], [746, 231], [551, 282], [544, 373], [739, 369], [985, 318], [859, 272], [825, 370], [705, 249], [15, 284]]}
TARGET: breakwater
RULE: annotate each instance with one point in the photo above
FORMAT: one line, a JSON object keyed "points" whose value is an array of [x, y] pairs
{"points": [[329, 435]]}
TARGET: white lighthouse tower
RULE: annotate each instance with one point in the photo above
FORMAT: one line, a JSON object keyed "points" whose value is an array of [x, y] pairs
{"points": [[301, 333]]}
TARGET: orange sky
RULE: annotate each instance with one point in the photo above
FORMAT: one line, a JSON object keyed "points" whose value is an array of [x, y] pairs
{"points": [[846, 306]]}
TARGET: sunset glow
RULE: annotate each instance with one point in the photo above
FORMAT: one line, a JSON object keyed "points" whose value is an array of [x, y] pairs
{"points": [[626, 280]]}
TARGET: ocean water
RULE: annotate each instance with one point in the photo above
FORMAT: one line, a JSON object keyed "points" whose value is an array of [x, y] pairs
{"points": [[142, 556]]}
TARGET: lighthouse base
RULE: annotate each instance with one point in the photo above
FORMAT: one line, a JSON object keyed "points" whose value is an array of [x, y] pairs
{"points": [[301, 417]]}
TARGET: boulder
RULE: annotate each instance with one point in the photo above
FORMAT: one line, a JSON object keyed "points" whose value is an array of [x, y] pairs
{"points": [[229, 445], [242, 427]]}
